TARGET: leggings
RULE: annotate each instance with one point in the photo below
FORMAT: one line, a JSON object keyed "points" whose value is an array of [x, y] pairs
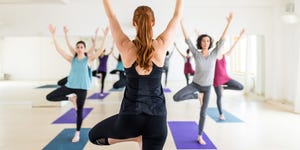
{"points": [[191, 92], [187, 77], [230, 85], [60, 95], [166, 70], [103, 75], [121, 82], [152, 128], [63, 81]]}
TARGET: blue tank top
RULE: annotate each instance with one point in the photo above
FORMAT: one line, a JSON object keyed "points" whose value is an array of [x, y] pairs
{"points": [[80, 76], [120, 66], [143, 93]]}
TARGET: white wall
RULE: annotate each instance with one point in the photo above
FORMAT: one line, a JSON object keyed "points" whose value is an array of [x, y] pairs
{"points": [[43, 63]]}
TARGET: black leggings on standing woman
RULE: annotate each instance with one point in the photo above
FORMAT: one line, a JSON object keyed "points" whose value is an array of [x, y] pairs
{"points": [[154, 129], [103, 75], [60, 95]]}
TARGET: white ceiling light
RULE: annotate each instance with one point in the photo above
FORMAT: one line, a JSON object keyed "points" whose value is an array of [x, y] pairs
{"points": [[289, 15]]}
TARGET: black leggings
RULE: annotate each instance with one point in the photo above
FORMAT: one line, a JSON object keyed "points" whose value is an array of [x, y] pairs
{"points": [[152, 128], [187, 77], [121, 82], [63, 81], [103, 75], [60, 95]]}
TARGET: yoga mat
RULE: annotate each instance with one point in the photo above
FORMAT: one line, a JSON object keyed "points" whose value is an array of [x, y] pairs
{"points": [[48, 86], [185, 134], [117, 90], [71, 115], [63, 141], [167, 90], [97, 96], [213, 113]]}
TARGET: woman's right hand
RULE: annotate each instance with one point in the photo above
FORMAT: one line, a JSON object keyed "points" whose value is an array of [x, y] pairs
{"points": [[52, 29]]}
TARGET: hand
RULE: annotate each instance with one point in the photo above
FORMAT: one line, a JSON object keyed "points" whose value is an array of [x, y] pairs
{"points": [[51, 28], [66, 30], [93, 41], [229, 18], [105, 31]]}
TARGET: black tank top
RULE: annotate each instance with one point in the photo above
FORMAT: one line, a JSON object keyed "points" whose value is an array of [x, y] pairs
{"points": [[143, 93]]}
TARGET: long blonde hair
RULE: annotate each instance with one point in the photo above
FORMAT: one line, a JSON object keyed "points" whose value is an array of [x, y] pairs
{"points": [[144, 18]]}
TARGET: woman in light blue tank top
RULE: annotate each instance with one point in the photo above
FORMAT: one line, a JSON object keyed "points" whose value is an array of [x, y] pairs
{"points": [[79, 79], [63, 81]]}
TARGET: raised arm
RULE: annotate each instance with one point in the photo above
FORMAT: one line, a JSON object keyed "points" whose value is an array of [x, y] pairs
{"points": [[94, 41], [52, 30], [166, 37], [100, 50], [235, 42], [229, 18], [179, 50], [71, 48], [185, 34], [172, 52], [122, 41]]}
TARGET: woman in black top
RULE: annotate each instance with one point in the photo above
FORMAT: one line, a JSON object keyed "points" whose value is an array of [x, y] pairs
{"points": [[142, 115]]}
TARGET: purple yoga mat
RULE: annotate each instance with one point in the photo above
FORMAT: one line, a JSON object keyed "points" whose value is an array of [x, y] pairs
{"points": [[98, 96], [185, 134], [71, 115], [167, 90]]}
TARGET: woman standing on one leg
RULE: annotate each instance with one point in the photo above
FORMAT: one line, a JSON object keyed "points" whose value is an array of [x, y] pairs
{"points": [[222, 80], [188, 69], [79, 79], [142, 115], [205, 69], [102, 68], [63, 81], [166, 65], [119, 70]]}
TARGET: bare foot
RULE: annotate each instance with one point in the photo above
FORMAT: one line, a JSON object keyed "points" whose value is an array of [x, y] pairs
{"points": [[222, 117], [76, 137], [73, 99], [200, 140]]}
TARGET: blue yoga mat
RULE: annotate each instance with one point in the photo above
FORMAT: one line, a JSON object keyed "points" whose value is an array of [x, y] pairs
{"points": [[63, 141], [117, 90], [185, 134], [229, 118], [98, 96], [71, 115], [167, 90], [48, 86]]}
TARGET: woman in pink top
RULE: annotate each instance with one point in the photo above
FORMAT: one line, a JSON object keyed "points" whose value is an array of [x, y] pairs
{"points": [[222, 80], [188, 69]]}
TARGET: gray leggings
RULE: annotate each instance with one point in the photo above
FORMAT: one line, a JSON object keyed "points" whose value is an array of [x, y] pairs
{"points": [[191, 92]]}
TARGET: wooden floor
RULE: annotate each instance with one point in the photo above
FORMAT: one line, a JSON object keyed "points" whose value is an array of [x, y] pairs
{"points": [[26, 117]]}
